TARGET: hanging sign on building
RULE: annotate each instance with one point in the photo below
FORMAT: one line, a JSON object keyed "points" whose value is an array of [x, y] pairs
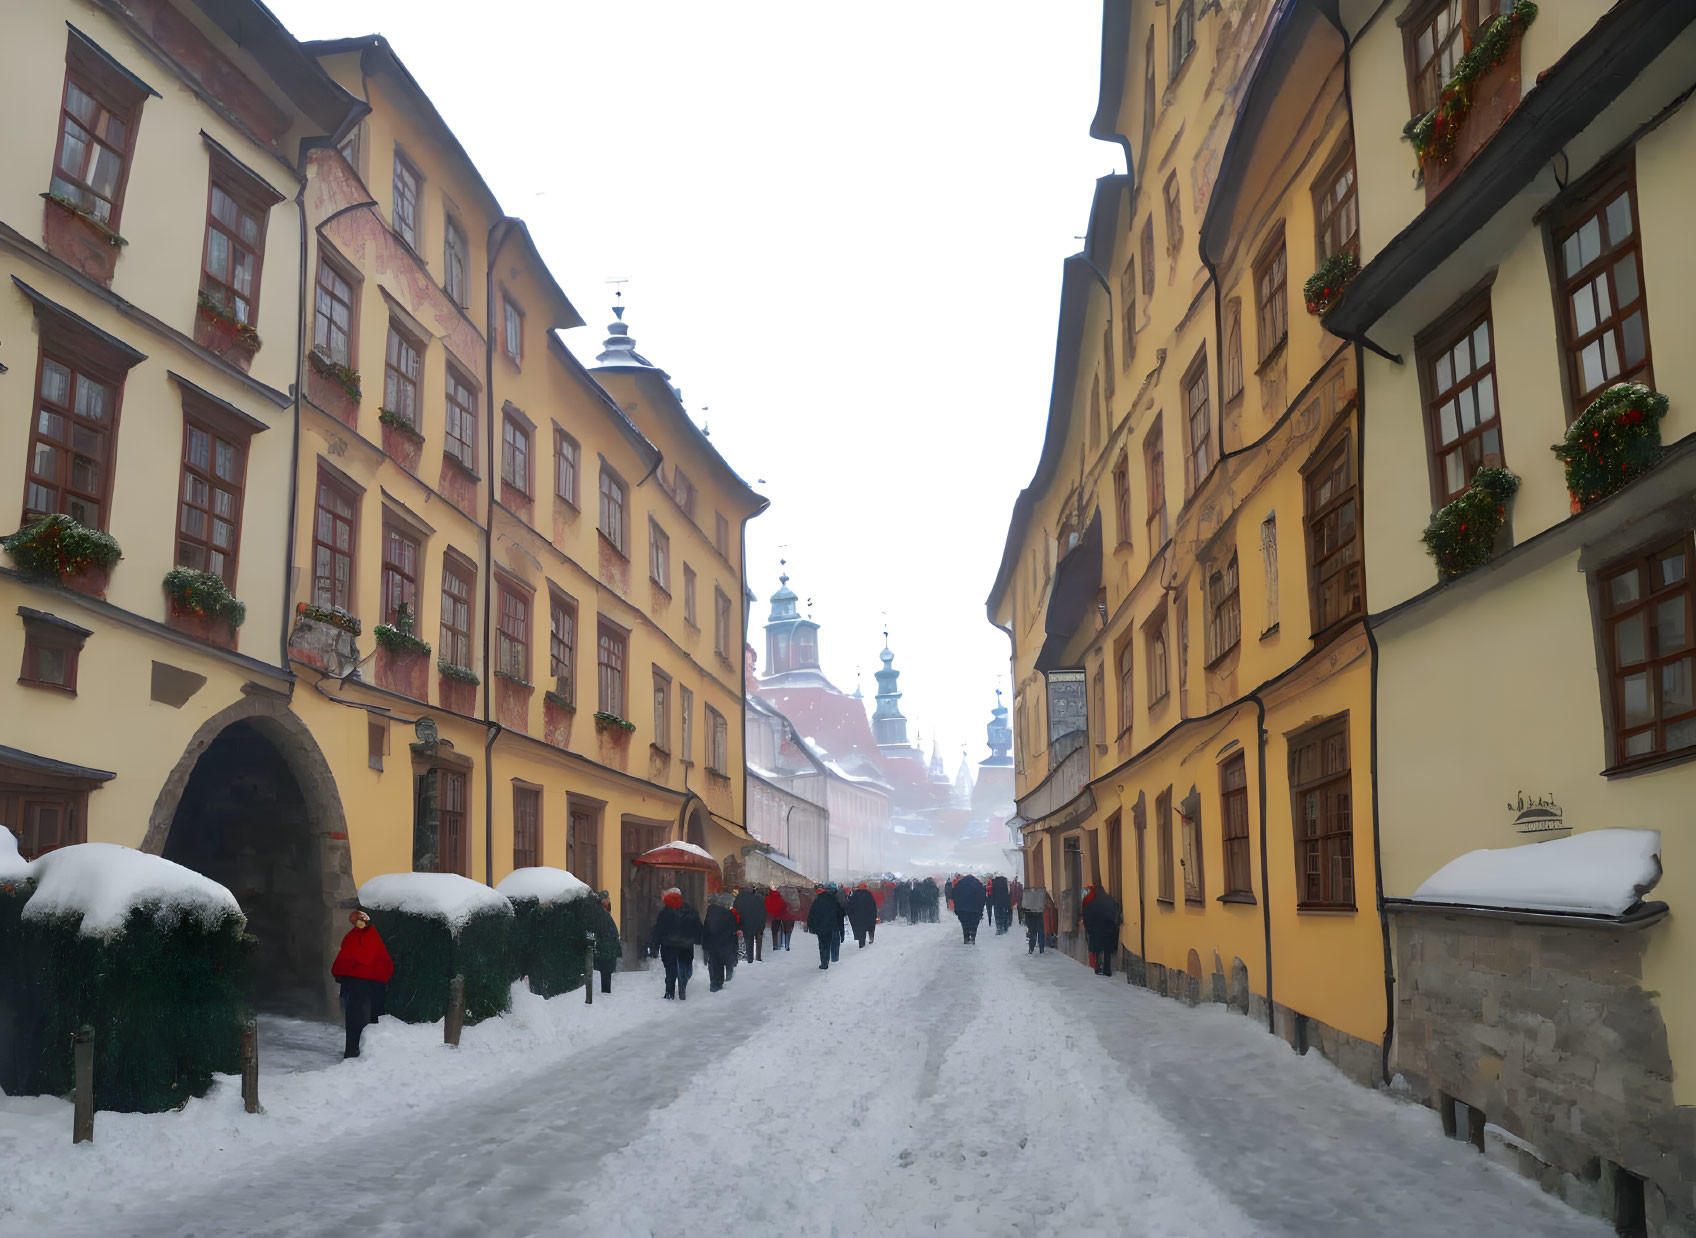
{"points": [[1539, 817]]}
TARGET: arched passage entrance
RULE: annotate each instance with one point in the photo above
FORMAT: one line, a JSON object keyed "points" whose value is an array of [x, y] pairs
{"points": [[252, 805]]}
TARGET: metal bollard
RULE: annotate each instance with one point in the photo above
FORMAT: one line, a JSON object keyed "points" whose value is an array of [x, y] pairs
{"points": [[589, 972], [455, 1021], [250, 1066], [82, 1120]]}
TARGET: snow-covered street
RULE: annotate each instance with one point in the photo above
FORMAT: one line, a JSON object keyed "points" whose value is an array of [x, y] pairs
{"points": [[921, 1086]]}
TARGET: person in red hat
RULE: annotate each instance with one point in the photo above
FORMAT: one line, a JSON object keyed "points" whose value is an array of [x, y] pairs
{"points": [[777, 915], [363, 968], [676, 933]]}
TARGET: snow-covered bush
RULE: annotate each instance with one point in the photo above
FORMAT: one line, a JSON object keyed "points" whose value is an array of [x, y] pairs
{"points": [[550, 932], [437, 926], [151, 955]]}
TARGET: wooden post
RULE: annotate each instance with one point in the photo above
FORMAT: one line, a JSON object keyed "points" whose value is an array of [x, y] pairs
{"points": [[452, 1025], [589, 973], [82, 1120], [250, 1066]]}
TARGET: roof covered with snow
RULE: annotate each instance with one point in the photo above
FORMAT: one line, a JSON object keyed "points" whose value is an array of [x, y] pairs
{"points": [[1598, 873], [103, 883], [447, 896], [545, 885]]}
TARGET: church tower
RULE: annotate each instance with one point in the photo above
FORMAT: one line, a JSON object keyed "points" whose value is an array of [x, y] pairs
{"points": [[792, 642], [889, 725]]}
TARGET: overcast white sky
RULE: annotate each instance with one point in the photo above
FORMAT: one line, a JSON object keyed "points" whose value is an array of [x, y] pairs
{"points": [[843, 227]]}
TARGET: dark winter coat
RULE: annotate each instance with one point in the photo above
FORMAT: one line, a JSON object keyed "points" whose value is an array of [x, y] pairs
{"points": [[862, 911], [718, 935], [1000, 897], [822, 917], [678, 927], [752, 908], [968, 898], [1101, 921], [605, 929]]}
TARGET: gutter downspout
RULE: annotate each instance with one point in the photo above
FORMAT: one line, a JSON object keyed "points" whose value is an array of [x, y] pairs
{"points": [[1265, 885], [1218, 359], [498, 232], [294, 446]]}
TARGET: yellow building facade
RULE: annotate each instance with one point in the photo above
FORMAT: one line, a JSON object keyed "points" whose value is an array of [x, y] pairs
{"points": [[1182, 580], [1530, 261]]}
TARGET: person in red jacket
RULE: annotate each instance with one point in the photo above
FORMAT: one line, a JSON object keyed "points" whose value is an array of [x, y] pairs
{"points": [[363, 968], [777, 914]]}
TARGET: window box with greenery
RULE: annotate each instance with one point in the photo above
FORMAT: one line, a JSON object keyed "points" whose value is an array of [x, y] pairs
{"points": [[605, 721], [1434, 134], [402, 657], [1612, 443], [57, 547], [202, 606], [1326, 284], [221, 331], [396, 422], [1464, 533], [459, 674], [456, 687], [346, 378], [324, 637]]}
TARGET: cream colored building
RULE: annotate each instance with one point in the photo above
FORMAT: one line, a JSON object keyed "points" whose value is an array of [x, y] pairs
{"points": [[1546, 258]]}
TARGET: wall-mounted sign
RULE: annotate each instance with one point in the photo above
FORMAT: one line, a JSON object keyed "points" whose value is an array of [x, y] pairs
{"points": [[1539, 816]]}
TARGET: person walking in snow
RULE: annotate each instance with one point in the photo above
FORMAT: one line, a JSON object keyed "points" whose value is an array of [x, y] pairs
{"points": [[363, 968], [823, 922], [718, 940], [751, 911], [1015, 891], [1000, 898], [607, 945], [968, 906], [777, 914], [862, 914], [676, 933], [840, 896], [1101, 927], [1033, 901]]}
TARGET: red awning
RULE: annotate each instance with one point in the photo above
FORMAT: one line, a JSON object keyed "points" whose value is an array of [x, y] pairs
{"points": [[679, 855]]}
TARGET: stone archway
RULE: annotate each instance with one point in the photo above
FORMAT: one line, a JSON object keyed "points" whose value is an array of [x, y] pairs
{"points": [[695, 824], [253, 805]]}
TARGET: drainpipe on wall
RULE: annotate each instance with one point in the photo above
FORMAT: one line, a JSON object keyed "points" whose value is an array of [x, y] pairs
{"points": [[1265, 886], [498, 232], [294, 445]]}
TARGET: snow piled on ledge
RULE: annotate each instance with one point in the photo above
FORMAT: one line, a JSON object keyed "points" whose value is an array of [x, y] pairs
{"points": [[103, 883], [545, 885], [13, 867], [446, 896], [1597, 873]]}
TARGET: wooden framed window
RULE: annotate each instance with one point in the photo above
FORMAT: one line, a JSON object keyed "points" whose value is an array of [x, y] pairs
{"points": [[333, 543], [236, 213], [456, 261], [401, 371], [1272, 303], [1324, 816], [1147, 246], [1155, 636], [1269, 569], [49, 818], [562, 648], [1154, 466], [74, 435], [1163, 845], [1183, 36], [567, 463], [351, 147], [1199, 418], [1233, 826], [1336, 583], [1435, 42], [662, 710], [400, 573], [1098, 706], [683, 490], [1148, 95], [721, 534], [458, 581], [721, 622], [98, 114], [718, 755], [450, 820], [1127, 312], [210, 498], [406, 184], [52, 648], [460, 440], [515, 453], [1095, 413], [1108, 370], [585, 842], [332, 320], [1127, 703], [689, 615], [610, 669], [614, 523], [1233, 349], [659, 555], [1174, 214], [1122, 497], [526, 827], [1194, 861], [686, 743], [1604, 312], [512, 633], [512, 330], [1648, 622], [1458, 368], [1336, 212], [1224, 611]]}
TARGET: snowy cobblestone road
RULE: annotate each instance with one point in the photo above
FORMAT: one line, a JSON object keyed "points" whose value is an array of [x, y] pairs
{"points": [[920, 1087]]}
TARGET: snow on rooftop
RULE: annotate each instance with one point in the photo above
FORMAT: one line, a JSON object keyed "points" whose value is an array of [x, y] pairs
{"points": [[13, 867], [447, 896], [1598, 873], [545, 885], [103, 883]]}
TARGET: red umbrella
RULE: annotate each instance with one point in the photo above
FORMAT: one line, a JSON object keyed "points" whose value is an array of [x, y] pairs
{"points": [[679, 855]]}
